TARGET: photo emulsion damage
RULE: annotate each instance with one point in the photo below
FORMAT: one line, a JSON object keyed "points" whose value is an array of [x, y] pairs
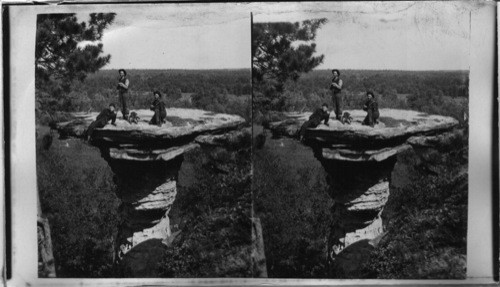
{"points": [[143, 143], [361, 113]]}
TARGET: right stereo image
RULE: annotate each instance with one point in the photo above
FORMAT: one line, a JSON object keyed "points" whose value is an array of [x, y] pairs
{"points": [[360, 140]]}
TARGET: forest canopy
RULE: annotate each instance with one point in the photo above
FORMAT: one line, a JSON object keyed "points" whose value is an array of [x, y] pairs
{"points": [[222, 91], [435, 92]]}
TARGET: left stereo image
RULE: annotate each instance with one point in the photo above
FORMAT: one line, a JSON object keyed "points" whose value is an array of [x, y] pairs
{"points": [[143, 142]]}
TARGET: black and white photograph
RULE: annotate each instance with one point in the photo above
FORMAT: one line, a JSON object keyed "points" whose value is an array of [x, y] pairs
{"points": [[346, 143], [143, 143], [361, 111]]}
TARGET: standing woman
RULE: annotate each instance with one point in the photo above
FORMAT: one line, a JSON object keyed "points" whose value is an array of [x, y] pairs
{"points": [[123, 92], [336, 88]]}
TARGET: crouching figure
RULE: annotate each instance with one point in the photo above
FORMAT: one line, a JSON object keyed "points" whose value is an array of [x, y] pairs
{"points": [[314, 120], [102, 120]]}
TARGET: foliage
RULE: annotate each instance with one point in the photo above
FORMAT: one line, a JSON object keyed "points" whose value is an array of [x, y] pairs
{"points": [[425, 217], [222, 91], [173, 84], [215, 230], [223, 103], [212, 211], [294, 209], [274, 57], [280, 52], [451, 83], [77, 196], [427, 220], [436, 92], [66, 50]]}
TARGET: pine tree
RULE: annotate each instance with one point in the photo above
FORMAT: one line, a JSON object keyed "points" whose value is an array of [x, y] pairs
{"points": [[280, 52], [67, 50], [274, 55]]}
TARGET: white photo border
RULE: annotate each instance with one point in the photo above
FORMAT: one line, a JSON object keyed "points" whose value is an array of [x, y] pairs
{"points": [[22, 19]]}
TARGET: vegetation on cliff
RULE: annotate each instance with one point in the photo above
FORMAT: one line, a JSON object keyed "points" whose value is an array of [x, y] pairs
{"points": [[213, 218], [212, 212], [291, 200], [77, 196], [425, 217]]}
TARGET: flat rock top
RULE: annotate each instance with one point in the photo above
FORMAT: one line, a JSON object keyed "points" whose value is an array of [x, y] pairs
{"points": [[393, 124], [180, 123]]}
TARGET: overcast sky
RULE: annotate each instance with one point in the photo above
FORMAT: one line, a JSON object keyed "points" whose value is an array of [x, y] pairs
{"points": [[377, 35], [384, 35], [178, 37]]}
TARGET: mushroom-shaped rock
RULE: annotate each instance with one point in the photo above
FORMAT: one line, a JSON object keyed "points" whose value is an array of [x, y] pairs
{"points": [[359, 161], [394, 126], [146, 160], [182, 125]]}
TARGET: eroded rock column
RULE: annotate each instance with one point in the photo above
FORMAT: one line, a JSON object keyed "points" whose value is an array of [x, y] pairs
{"points": [[359, 161], [147, 186], [146, 161], [360, 189]]}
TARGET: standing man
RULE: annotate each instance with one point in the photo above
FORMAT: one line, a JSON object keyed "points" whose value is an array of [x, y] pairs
{"points": [[123, 92], [314, 120], [336, 88]]}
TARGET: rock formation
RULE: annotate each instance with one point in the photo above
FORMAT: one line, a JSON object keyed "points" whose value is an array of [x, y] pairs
{"points": [[359, 161], [46, 263], [146, 160], [259, 266]]}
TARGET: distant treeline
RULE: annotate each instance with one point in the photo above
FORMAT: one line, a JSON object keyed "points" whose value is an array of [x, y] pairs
{"points": [[174, 82], [437, 92], [227, 91], [449, 83]]}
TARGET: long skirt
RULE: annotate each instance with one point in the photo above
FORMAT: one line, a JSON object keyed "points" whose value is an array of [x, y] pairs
{"points": [[371, 118]]}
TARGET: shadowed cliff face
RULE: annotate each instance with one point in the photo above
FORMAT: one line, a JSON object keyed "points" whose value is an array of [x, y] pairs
{"points": [[359, 161]]}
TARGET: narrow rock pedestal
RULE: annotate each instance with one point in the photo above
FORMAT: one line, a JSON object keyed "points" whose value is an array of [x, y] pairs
{"points": [[359, 161], [360, 190], [146, 161], [147, 186]]}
